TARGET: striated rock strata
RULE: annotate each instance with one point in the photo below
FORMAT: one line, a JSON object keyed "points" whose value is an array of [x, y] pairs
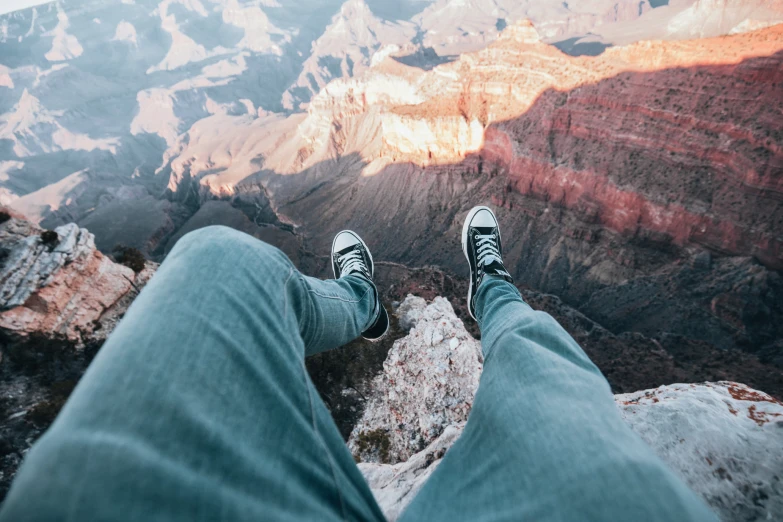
{"points": [[55, 282], [650, 175], [722, 438]]}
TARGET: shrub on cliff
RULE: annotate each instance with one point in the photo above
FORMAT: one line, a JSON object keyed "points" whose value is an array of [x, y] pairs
{"points": [[50, 238], [374, 441], [130, 257], [44, 413]]}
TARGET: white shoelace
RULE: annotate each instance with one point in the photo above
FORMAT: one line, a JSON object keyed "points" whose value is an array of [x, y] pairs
{"points": [[487, 249], [352, 262]]}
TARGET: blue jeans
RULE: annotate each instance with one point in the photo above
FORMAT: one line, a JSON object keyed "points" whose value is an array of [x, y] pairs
{"points": [[199, 407]]}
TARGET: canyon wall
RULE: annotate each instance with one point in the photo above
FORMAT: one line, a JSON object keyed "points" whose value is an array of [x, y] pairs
{"points": [[643, 186]]}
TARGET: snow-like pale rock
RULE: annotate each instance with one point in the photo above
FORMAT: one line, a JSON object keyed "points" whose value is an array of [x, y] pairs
{"points": [[226, 68], [257, 27], [65, 46], [7, 197], [394, 486], [31, 264], [5, 77], [126, 32], [749, 25], [710, 17], [445, 139], [724, 439], [183, 50], [6, 167], [37, 204], [409, 311], [345, 48], [156, 115], [41, 74], [34, 129]]}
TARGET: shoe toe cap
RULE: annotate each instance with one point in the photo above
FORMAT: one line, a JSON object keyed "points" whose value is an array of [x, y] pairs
{"points": [[345, 240], [483, 218]]}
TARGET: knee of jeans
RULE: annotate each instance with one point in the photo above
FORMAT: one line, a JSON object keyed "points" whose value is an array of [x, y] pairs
{"points": [[219, 242]]}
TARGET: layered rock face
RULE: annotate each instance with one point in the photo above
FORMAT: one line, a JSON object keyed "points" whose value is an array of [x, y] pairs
{"points": [[722, 438], [55, 282], [678, 159], [634, 178]]}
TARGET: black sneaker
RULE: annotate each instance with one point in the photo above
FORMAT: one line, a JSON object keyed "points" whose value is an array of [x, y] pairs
{"points": [[350, 256], [481, 244]]}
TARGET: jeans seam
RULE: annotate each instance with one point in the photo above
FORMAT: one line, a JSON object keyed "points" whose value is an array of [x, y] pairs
{"points": [[285, 293], [324, 448], [340, 298]]}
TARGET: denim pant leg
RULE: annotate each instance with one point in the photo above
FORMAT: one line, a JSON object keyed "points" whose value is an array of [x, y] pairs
{"points": [[199, 408], [544, 440]]}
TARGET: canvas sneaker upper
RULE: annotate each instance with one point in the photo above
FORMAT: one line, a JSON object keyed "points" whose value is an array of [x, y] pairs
{"points": [[483, 249]]}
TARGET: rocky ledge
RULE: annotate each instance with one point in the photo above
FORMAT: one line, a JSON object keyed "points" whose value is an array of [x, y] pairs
{"points": [[722, 438], [55, 282]]}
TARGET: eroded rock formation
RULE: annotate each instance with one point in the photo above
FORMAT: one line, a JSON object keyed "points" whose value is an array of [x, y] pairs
{"points": [[649, 175], [55, 282], [440, 393]]}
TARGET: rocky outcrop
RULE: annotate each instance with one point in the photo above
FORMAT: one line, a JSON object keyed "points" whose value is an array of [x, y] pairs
{"points": [[55, 283], [420, 404], [395, 485], [722, 438]]}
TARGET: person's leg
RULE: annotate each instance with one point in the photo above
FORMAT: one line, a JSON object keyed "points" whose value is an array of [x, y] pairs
{"points": [[544, 440], [198, 407]]}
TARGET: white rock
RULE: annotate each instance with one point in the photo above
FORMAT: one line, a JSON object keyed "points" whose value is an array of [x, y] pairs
{"points": [[724, 439], [58, 288], [427, 384], [31, 264], [410, 311], [65, 46], [394, 486], [126, 32]]}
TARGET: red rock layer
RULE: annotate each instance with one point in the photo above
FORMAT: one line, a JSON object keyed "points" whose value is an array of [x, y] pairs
{"points": [[680, 140]]}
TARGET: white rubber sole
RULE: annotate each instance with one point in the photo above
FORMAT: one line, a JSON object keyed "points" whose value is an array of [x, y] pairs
{"points": [[465, 228], [354, 234]]}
